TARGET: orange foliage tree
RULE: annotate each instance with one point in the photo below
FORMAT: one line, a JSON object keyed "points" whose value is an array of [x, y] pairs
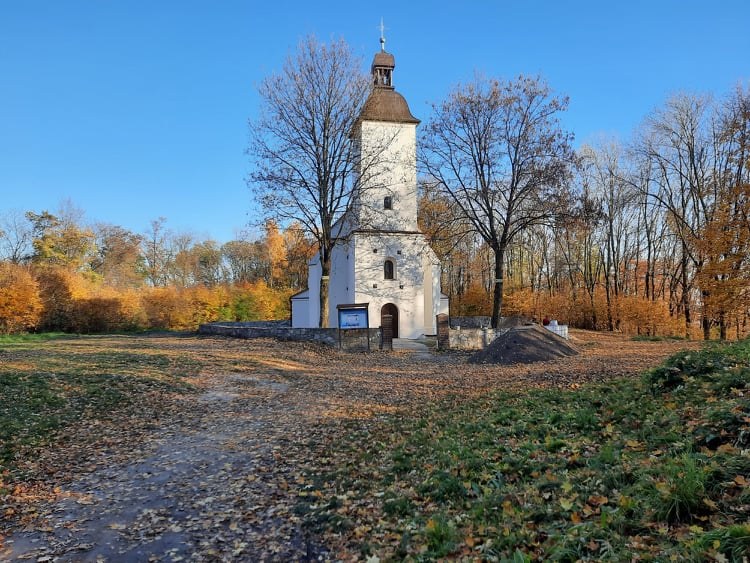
{"points": [[20, 304], [724, 243]]}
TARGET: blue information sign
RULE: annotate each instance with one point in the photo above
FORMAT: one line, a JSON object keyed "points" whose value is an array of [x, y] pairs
{"points": [[352, 318]]}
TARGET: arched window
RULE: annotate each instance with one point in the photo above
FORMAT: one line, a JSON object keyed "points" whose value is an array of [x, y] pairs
{"points": [[388, 269], [387, 202]]}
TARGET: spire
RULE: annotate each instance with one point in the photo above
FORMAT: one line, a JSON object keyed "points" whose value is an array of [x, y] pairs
{"points": [[383, 64], [384, 103]]}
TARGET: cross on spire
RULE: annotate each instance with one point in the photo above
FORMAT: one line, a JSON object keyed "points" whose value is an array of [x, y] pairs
{"points": [[382, 35]]}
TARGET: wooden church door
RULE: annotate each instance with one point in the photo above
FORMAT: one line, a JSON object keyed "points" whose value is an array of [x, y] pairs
{"points": [[390, 309]]}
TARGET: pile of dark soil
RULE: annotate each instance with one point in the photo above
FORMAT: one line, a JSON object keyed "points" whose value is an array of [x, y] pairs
{"points": [[524, 344]]}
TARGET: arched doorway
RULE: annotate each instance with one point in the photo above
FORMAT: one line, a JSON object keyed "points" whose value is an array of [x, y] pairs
{"points": [[390, 309]]}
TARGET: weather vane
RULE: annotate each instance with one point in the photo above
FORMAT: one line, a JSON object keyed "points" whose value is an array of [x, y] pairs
{"points": [[382, 35]]}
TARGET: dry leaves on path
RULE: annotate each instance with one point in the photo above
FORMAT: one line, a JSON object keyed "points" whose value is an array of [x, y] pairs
{"points": [[217, 472]]}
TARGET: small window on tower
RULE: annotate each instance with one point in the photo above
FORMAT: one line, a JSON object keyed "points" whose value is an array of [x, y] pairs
{"points": [[387, 202], [388, 269]]}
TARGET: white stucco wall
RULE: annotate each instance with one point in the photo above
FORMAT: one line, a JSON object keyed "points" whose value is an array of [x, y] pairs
{"points": [[389, 168], [406, 290], [313, 294], [301, 311], [341, 284], [340, 289], [429, 295]]}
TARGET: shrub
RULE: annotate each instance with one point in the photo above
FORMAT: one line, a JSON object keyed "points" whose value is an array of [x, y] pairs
{"points": [[59, 289], [20, 303], [165, 308]]}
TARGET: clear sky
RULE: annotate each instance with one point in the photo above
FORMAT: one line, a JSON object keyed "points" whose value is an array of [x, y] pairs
{"points": [[135, 109]]}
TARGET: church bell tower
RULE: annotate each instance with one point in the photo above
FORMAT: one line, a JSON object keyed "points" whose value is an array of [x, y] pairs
{"points": [[387, 138], [381, 258]]}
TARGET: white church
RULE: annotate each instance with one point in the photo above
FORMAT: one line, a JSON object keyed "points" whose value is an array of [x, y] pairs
{"points": [[380, 256]]}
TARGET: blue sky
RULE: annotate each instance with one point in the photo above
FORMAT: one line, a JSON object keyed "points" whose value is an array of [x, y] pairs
{"points": [[135, 109]]}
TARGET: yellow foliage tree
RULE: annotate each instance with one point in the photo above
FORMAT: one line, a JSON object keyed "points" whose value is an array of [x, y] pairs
{"points": [[276, 251]]}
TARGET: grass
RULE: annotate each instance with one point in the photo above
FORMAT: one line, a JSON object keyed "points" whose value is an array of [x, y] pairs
{"points": [[655, 338], [656, 468], [652, 468], [29, 337], [49, 381]]}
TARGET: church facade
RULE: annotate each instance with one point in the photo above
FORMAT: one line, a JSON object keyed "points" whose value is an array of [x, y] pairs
{"points": [[380, 256]]}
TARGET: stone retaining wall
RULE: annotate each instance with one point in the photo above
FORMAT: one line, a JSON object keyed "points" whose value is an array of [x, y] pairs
{"points": [[470, 322], [472, 338], [350, 338]]}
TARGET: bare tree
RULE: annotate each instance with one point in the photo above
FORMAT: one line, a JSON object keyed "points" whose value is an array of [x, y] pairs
{"points": [[157, 255], [305, 162], [498, 150], [16, 236], [616, 198], [678, 143]]}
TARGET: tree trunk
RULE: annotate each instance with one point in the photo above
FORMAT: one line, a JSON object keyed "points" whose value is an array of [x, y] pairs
{"points": [[497, 298], [608, 294], [685, 293], [325, 271], [592, 302]]}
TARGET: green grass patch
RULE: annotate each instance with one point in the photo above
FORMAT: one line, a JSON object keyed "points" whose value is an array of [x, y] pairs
{"points": [[49, 381], [31, 337], [654, 338], [656, 468]]}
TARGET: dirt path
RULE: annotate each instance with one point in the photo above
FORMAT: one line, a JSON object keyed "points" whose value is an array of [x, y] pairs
{"points": [[204, 489], [218, 476]]}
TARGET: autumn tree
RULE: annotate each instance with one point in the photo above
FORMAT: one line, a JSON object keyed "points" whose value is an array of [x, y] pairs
{"points": [[676, 141], [575, 238], [208, 263], [20, 304], [275, 249], [61, 240], [725, 275], [182, 263], [498, 150], [241, 258], [724, 240], [698, 153], [300, 144], [298, 249], [440, 219], [118, 258]]}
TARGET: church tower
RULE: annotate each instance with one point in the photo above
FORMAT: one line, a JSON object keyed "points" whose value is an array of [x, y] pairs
{"points": [[380, 257], [386, 134]]}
